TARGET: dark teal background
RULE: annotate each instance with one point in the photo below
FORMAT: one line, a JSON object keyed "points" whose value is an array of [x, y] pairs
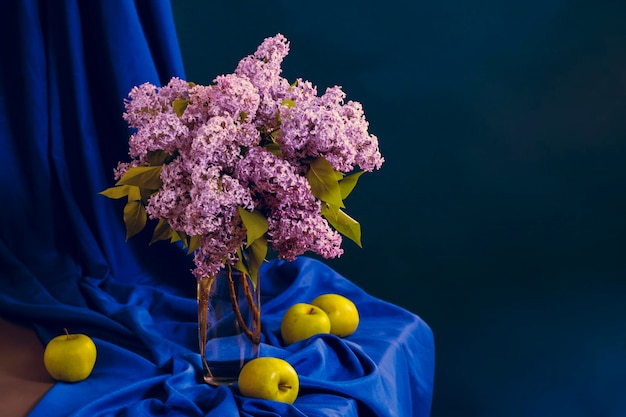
{"points": [[500, 214]]}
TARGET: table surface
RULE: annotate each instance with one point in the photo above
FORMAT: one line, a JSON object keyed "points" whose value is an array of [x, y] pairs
{"points": [[23, 377]]}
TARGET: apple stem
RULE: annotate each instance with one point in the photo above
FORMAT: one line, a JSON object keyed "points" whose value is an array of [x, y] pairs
{"points": [[67, 334], [284, 387], [312, 310]]}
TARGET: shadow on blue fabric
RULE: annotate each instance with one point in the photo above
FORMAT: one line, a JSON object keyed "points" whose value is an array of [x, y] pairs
{"points": [[66, 68]]}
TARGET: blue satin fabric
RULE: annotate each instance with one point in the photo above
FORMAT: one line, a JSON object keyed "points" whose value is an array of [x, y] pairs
{"points": [[65, 68], [149, 366]]}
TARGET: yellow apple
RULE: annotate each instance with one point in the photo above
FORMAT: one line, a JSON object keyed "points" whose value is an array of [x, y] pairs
{"points": [[342, 313], [269, 379], [70, 357], [302, 321]]}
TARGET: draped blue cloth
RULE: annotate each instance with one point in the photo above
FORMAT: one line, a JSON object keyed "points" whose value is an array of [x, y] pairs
{"points": [[65, 69]]}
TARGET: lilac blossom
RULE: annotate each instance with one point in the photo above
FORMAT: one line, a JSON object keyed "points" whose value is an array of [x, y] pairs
{"points": [[246, 141], [295, 223], [324, 126], [218, 248], [147, 101], [263, 69], [162, 132], [233, 95], [218, 142]]}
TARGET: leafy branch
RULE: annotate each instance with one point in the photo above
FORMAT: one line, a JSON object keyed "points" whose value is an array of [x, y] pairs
{"points": [[331, 188]]}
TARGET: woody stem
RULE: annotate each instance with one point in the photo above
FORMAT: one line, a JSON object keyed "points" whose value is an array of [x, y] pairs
{"points": [[203, 289], [254, 336]]}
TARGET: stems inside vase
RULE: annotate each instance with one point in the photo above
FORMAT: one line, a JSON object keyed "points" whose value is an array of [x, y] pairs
{"points": [[203, 289], [229, 324], [253, 334]]}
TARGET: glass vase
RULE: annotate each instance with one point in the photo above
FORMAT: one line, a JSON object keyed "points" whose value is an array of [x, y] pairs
{"points": [[229, 324]]}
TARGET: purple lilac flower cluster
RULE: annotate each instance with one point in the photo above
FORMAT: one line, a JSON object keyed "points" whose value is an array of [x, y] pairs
{"points": [[246, 141]]}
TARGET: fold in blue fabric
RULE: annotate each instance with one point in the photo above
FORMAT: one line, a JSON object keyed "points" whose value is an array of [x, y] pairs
{"points": [[152, 369], [66, 68]]}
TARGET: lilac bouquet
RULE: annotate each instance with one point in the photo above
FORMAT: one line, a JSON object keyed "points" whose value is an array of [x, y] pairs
{"points": [[248, 163]]}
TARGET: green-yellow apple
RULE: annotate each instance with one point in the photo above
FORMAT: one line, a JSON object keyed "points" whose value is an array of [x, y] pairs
{"points": [[70, 357], [269, 379], [302, 321], [343, 314]]}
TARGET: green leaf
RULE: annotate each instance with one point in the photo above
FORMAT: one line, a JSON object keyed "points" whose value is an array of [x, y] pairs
{"points": [[134, 193], [287, 102], [275, 133], [273, 148], [256, 255], [346, 225], [119, 191], [347, 184], [255, 223], [177, 237], [240, 265], [134, 217], [162, 231], [143, 177], [184, 238], [329, 210], [180, 106], [323, 180], [180, 236], [157, 157], [194, 243], [145, 194]]}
